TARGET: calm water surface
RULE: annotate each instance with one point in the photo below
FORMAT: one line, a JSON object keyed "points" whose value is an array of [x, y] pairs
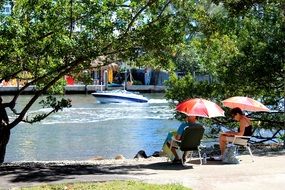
{"points": [[89, 129]]}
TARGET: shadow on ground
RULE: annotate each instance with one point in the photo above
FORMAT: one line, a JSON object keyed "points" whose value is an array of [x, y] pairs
{"points": [[38, 172], [27, 172], [268, 153]]}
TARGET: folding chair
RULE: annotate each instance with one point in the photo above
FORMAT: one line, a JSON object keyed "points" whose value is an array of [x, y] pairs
{"points": [[242, 141], [190, 141]]}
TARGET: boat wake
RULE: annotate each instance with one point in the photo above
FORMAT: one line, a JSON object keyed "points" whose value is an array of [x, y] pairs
{"points": [[108, 112], [158, 101]]}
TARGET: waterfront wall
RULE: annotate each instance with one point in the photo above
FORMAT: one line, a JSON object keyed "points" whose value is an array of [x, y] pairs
{"points": [[82, 89]]}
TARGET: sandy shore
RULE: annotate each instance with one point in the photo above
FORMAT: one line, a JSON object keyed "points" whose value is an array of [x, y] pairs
{"points": [[267, 172]]}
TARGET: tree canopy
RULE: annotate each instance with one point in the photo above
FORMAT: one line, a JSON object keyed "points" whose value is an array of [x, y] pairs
{"points": [[49, 39], [241, 45], [238, 44], [239, 49]]}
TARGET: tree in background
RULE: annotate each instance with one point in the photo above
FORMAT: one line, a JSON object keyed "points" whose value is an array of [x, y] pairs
{"points": [[241, 45]]}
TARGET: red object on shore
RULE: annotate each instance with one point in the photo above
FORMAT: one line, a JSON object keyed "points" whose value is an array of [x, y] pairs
{"points": [[69, 80]]}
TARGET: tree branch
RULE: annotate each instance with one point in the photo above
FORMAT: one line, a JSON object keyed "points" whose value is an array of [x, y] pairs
{"points": [[44, 89], [41, 117], [8, 77], [150, 2]]}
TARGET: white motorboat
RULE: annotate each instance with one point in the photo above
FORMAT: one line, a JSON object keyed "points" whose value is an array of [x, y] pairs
{"points": [[118, 96]]}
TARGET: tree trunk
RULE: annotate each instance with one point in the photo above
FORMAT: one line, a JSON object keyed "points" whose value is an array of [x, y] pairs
{"points": [[4, 139]]}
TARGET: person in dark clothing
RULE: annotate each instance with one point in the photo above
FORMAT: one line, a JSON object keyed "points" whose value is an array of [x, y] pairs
{"points": [[189, 122], [245, 128]]}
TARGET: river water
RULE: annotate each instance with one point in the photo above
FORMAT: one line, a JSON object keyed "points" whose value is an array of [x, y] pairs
{"points": [[89, 129]]}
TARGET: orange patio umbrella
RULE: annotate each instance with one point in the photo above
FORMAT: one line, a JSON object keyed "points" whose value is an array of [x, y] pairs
{"points": [[200, 107], [244, 103]]}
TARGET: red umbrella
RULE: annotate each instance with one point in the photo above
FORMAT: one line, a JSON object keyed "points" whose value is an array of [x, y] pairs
{"points": [[200, 107], [244, 103]]}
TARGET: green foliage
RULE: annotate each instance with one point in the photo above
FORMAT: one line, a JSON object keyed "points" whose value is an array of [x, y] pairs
{"points": [[240, 44], [126, 185], [52, 102], [85, 77], [242, 49], [50, 39], [179, 89], [187, 87], [49, 102], [274, 120], [57, 88], [186, 59]]}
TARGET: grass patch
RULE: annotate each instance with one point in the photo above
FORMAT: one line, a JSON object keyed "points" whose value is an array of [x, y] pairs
{"points": [[112, 185]]}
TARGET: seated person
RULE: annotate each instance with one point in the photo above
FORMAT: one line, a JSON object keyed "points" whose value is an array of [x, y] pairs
{"points": [[245, 128], [189, 121]]}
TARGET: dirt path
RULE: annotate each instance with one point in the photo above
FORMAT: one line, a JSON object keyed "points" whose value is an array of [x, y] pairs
{"points": [[266, 173]]}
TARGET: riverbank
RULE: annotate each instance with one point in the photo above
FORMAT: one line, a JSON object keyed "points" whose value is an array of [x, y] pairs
{"points": [[267, 172]]}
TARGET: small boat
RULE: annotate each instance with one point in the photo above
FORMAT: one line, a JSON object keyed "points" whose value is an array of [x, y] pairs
{"points": [[118, 96]]}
